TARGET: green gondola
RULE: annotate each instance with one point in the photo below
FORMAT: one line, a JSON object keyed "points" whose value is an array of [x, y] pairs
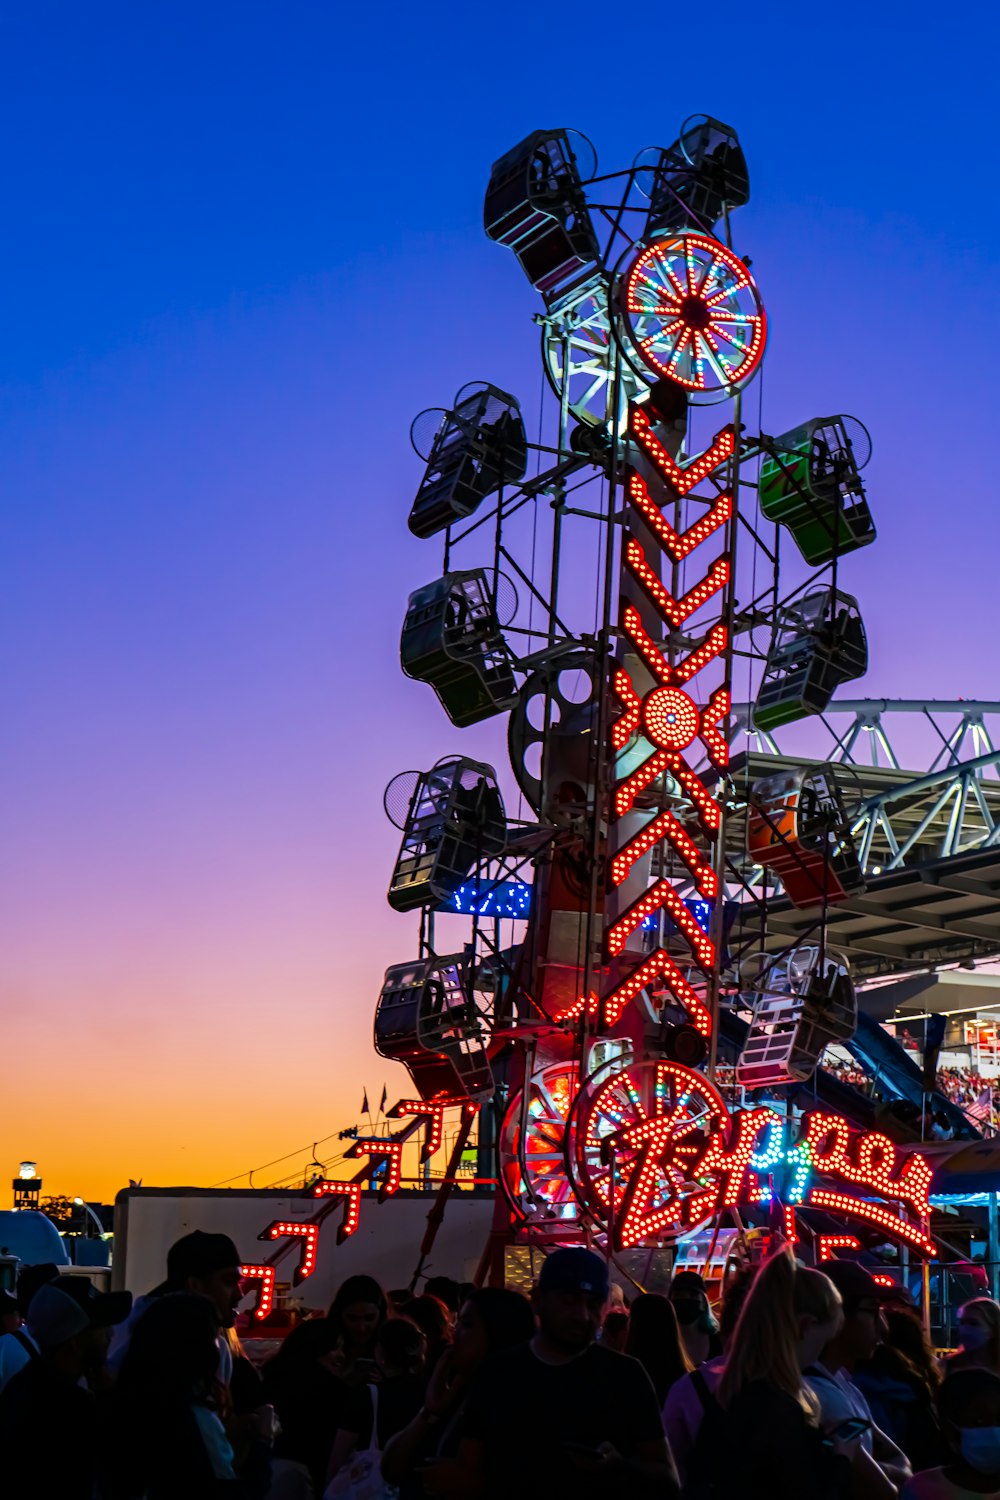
{"points": [[810, 481]]}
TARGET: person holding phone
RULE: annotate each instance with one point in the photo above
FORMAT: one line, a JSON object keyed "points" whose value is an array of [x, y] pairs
{"points": [[422, 1457], [374, 1416]]}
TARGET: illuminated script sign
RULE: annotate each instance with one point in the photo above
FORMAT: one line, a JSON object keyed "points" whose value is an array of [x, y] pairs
{"points": [[674, 1177]]}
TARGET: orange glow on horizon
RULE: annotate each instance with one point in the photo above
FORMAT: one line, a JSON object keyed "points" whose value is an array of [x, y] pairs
{"points": [[208, 1076]]}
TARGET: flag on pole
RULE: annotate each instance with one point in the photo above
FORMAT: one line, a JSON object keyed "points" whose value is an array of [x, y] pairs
{"points": [[364, 1103], [385, 1099], [982, 1108]]}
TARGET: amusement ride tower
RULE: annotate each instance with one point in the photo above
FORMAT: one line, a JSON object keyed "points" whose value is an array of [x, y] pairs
{"points": [[637, 1040]]}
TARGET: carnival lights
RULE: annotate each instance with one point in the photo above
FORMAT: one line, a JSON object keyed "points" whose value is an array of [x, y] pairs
{"points": [[351, 1194], [308, 1232], [676, 611], [431, 1111], [603, 1004], [826, 1244], [638, 1133], [658, 966], [662, 895], [390, 1153], [265, 1275], [682, 478], [671, 718], [725, 1163], [666, 827], [693, 313], [843, 1203]]}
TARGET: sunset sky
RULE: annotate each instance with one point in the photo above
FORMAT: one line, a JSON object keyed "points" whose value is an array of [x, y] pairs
{"points": [[242, 249]]}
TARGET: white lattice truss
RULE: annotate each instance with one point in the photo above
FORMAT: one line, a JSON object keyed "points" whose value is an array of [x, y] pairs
{"points": [[954, 808]]}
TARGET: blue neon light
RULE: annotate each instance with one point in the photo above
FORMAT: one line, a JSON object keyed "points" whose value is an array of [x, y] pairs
{"points": [[700, 910], [501, 898], [771, 1150]]}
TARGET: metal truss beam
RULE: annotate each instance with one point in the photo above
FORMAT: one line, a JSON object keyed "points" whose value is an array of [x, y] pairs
{"points": [[930, 818], [883, 725]]}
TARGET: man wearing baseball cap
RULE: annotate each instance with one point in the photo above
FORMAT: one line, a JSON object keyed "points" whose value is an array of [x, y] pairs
{"points": [[563, 1413], [830, 1378], [47, 1415], [208, 1265]]}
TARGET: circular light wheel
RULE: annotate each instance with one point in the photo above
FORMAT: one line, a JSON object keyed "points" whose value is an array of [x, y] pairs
{"points": [[691, 313], [577, 346], [633, 1135], [671, 718], [532, 1159]]}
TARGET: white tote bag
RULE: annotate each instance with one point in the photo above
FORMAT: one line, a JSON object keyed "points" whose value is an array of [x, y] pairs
{"points": [[360, 1478]]}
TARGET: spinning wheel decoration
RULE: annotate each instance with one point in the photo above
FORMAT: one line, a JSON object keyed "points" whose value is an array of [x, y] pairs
{"points": [[692, 314], [578, 349], [532, 1160], [634, 1136]]}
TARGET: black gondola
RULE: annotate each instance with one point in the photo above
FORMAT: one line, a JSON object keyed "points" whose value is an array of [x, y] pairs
{"points": [[818, 643], [698, 178], [427, 1019], [452, 640], [454, 822], [535, 204], [479, 446]]}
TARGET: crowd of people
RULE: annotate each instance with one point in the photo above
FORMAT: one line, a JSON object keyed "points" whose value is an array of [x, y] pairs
{"points": [[847, 1071], [965, 1087], [801, 1384]]}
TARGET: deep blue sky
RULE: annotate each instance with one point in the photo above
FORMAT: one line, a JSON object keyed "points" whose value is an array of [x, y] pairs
{"points": [[242, 247]]}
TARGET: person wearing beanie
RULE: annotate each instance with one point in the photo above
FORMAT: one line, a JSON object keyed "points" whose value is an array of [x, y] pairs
{"points": [[600, 1435], [47, 1414], [18, 1346]]}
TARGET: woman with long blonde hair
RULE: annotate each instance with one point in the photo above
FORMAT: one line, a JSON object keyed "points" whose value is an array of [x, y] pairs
{"points": [[763, 1440]]}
